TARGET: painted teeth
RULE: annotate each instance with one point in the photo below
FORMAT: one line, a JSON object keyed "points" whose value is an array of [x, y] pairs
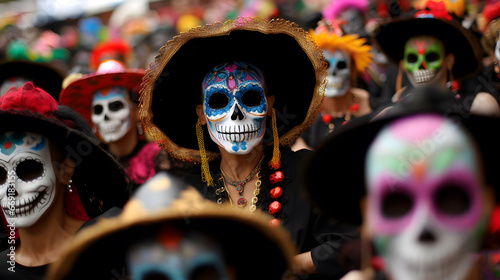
{"points": [[423, 76], [238, 133], [25, 206]]}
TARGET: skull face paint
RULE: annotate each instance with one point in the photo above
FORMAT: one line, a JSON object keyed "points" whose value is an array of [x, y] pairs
{"points": [[177, 257], [111, 113], [27, 178], [423, 59], [425, 199], [235, 106], [338, 73]]}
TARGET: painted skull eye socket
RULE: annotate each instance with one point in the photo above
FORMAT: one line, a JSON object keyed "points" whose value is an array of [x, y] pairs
{"points": [[412, 58], [97, 109], [251, 98], [29, 170], [206, 272], [452, 199], [218, 100], [396, 204], [116, 105], [341, 65], [155, 276], [3, 176], [432, 56]]}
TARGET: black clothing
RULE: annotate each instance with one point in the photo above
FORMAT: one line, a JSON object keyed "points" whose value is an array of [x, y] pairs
{"points": [[38, 272], [316, 133], [309, 229]]}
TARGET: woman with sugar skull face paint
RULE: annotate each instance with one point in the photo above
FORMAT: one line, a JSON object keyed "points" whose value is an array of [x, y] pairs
{"points": [[255, 100], [424, 188], [108, 99], [347, 57], [53, 179], [434, 49]]}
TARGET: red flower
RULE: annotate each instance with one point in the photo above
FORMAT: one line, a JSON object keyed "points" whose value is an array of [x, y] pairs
{"points": [[354, 108], [436, 9], [29, 97]]}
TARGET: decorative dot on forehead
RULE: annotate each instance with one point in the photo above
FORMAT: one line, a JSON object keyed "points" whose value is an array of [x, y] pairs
{"points": [[233, 74], [14, 142]]}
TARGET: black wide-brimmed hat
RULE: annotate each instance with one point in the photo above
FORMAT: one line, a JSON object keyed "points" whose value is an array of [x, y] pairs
{"points": [[391, 37], [41, 74], [255, 249], [292, 64], [100, 180], [334, 176]]}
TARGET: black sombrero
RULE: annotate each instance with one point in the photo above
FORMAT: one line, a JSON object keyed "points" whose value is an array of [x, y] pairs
{"points": [[334, 175], [392, 36], [263, 252], [293, 66]]}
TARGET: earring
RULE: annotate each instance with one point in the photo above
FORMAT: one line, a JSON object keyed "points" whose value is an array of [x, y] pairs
{"points": [[275, 160], [205, 171], [69, 186], [139, 128]]}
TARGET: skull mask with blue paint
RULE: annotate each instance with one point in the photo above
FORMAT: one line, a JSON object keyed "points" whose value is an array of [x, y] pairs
{"points": [[339, 73], [235, 106], [177, 256], [27, 177]]}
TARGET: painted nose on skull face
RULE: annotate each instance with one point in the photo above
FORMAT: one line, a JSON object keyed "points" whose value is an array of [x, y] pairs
{"points": [[111, 113], [235, 106], [425, 198], [423, 59]]}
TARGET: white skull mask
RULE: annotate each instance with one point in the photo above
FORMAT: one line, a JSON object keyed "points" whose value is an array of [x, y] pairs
{"points": [[425, 199], [235, 106], [111, 113], [27, 179], [338, 73]]}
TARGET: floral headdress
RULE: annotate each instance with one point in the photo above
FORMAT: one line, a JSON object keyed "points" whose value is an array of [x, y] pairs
{"points": [[328, 37]]}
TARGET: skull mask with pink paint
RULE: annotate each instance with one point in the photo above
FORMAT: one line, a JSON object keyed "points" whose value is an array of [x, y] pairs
{"points": [[425, 203], [235, 106]]}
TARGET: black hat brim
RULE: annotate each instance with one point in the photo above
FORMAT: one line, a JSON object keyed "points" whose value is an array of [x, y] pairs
{"points": [[107, 255], [392, 36], [292, 64], [42, 75]]}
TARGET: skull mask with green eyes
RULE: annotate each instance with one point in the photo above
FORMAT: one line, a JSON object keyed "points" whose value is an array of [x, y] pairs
{"points": [[424, 60]]}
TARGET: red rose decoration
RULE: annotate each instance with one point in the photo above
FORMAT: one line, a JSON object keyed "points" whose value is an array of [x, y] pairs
{"points": [[29, 97]]}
